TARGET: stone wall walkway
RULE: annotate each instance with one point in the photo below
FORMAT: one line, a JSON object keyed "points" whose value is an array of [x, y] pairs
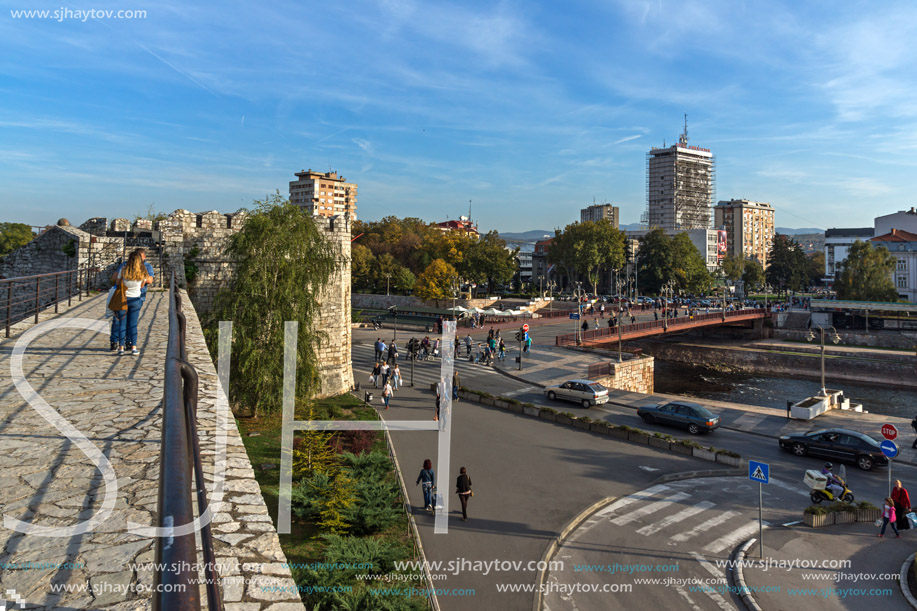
{"points": [[116, 403]]}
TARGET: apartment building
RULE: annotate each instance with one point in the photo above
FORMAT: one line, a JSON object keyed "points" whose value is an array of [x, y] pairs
{"points": [[680, 186], [749, 228], [598, 212], [324, 194]]}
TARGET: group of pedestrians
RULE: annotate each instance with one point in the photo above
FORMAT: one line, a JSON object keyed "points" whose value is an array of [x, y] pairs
{"points": [[427, 481], [896, 509], [130, 282]]}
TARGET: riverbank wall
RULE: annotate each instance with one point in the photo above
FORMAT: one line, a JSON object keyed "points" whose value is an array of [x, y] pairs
{"points": [[898, 372]]}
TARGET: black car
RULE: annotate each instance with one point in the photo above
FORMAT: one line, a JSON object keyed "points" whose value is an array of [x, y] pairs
{"points": [[694, 417], [842, 445]]}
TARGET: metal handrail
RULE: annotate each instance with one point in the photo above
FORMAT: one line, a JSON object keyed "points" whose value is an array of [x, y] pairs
{"points": [[176, 587], [681, 322], [19, 300]]}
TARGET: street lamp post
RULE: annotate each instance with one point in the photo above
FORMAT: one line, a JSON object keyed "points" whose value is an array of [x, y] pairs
{"points": [[666, 291], [579, 309], [387, 276], [620, 315], [551, 286], [835, 339], [541, 285]]}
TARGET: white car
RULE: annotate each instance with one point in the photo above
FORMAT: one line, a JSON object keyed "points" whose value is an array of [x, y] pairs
{"points": [[585, 392]]}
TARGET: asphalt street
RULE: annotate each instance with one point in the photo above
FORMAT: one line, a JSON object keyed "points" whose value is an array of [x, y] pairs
{"points": [[532, 477]]}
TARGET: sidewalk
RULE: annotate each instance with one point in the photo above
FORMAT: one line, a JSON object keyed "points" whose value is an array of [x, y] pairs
{"points": [[863, 586], [550, 365]]}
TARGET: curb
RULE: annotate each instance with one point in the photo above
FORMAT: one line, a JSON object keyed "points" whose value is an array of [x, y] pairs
{"points": [[750, 603], [902, 581], [674, 477], [434, 602], [551, 549]]}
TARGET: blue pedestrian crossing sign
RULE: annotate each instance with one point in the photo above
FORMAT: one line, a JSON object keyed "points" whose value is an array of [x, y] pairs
{"points": [[574, 316], [759, 471]]}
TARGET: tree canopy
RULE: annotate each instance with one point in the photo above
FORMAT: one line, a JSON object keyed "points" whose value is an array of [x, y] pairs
{"points": [[867, 274], [14, 235], [281, 261], [436, 281], [656, 260], [787, 268]]}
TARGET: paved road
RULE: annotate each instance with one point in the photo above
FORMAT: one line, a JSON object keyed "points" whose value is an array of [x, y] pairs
{"points": [[677, 530], [530, 478]]}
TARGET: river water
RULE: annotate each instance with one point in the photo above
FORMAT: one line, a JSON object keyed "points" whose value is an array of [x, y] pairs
{"points": [[766, 391]]}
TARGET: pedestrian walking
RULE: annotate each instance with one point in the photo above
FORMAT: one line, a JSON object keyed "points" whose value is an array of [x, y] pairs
{"points": [[133, 274], [655, 315], [914, 426], [528, 344], [468, 343], [387, 393], [396, 377], [392, 353], [384, 371], [439, 399], [889, 517], [374, 376], [377, 355], [456, 384], [902, 505], [463, 489], [502, 350], [427, 480], [382, 350], [585, 326]]}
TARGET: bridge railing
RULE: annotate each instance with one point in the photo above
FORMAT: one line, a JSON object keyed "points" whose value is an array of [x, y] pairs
{"points": [[27, 296], [610, 333], [176, 588]]}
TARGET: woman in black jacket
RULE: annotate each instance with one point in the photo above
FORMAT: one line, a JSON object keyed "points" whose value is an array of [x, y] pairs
{"points": [[463, 489]]}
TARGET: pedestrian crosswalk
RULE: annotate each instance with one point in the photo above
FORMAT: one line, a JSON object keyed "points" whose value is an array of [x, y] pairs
{"points": [[677, 514], [425, 372]]}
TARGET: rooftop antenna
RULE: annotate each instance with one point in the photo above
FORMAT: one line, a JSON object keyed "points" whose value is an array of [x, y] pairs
{"points": [[684, 136], [469, 210]]}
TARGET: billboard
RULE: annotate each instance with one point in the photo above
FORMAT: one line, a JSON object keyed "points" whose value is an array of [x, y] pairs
{"points": [[720, 244]]}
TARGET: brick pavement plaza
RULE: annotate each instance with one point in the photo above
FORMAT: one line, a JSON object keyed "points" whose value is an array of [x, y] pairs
{"points": [[116, 403]]}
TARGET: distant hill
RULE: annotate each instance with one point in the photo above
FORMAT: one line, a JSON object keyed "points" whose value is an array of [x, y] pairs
{"points": [[526, 236]]}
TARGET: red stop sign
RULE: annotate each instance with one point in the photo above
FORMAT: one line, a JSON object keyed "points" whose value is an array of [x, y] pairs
{"points": [[525, 328], [889, 431]]}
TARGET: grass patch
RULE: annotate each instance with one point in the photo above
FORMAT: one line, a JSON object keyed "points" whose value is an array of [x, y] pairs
{"points": [[307, 543]]}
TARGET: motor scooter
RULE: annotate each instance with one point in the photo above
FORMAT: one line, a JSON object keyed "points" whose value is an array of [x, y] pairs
{"points": [[819, 490]]}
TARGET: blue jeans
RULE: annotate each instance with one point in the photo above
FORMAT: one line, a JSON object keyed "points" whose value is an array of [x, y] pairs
{"points": [[116, 322], [127, 329], [427, 494], [885, 523]]}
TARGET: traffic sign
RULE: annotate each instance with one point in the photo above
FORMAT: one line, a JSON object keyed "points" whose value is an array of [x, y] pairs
{"points": [[889, 431], [525, 336], [759, 471], [525, 327], [889, 448], [574, 316]]}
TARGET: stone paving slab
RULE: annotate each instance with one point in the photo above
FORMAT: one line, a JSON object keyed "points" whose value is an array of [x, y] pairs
{"points": [[116, 403]]}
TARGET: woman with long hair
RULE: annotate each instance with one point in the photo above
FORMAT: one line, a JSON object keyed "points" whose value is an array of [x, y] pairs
{"points": [[134, 276], [463, 489]]}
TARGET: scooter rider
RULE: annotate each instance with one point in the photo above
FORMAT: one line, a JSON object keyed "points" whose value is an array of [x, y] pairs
{"points": [[834, 485]]}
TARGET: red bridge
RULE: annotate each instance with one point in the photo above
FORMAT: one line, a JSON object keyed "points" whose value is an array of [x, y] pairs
{"points": [[597, 337]]}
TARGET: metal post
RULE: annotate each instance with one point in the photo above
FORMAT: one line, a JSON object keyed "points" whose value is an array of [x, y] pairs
{"points": [[520, 354], [889, 477], [69, 287], [9, 305], [824, 392], [79, 283], [760, 520], [620, 358], [413, 354], [56, 291], [37, 289]]}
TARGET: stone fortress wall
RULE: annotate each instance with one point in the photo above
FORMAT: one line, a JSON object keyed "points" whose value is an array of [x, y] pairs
{"points": [[200, 239]]}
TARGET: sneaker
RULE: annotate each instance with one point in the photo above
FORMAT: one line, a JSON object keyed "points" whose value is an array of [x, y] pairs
{"points": [[136, 352], [113, 346], [120, 351]]}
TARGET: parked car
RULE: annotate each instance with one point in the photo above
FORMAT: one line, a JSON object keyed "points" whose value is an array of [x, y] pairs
{"points": [[692, 416], [585, 392], [842, 445]]}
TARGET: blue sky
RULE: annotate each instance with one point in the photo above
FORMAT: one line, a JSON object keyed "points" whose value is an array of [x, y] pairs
{"points": [[528, 109]]}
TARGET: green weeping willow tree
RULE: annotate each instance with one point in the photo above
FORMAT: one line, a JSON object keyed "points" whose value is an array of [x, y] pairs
{"points": [[280, 262]]}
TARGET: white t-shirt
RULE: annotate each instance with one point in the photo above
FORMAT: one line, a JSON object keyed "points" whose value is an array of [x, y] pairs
{"points": [[131, 287]]}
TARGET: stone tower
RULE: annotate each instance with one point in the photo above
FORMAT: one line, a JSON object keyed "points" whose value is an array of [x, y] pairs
{"points": [[334, 314]]}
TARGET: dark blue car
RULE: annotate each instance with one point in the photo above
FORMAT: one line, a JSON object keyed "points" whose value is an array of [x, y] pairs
{"points": [[696, 418]]}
